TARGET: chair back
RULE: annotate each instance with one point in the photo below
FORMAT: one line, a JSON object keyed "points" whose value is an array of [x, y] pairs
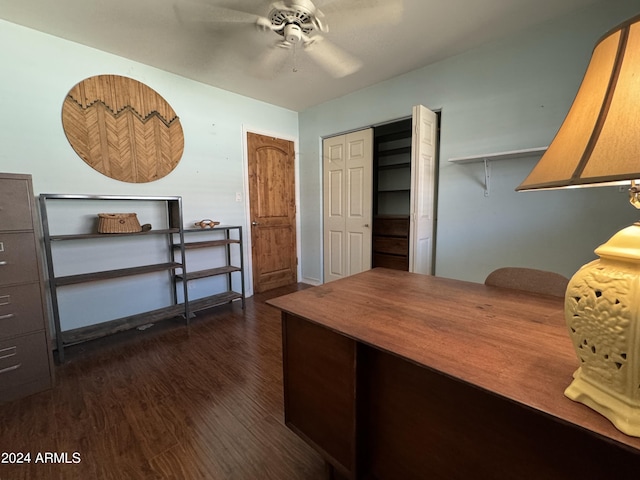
{"points": [[529, 279]]}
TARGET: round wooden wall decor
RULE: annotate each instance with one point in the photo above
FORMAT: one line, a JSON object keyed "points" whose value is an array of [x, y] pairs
{"points": [[122, 128]]}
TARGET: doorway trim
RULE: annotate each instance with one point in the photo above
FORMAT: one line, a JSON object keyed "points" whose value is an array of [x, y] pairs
{"points": [[247, 206]]}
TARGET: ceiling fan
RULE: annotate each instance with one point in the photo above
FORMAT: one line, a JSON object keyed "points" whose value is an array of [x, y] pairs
{"points": [[299, 26]]}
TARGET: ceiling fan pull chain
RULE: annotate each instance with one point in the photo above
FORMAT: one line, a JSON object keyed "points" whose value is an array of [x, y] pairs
{"points": [[295, 59]]}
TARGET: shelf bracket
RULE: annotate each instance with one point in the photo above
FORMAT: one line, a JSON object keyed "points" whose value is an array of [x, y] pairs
{"points": [[487, 158], [487, 176]]}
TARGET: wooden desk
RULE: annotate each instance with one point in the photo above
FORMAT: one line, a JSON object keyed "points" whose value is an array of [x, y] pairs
{"points": [[393, 375]]}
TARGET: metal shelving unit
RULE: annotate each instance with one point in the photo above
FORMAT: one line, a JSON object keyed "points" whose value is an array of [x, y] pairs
{"points": [[173, 209], [224, 240]]}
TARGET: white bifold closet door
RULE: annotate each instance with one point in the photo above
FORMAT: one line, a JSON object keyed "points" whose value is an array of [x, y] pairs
{"points": [[347, 172], [347, 198], [423, 186]]}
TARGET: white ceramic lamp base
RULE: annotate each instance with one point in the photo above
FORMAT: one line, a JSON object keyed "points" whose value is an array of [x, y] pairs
{"points": [[602, 311]]}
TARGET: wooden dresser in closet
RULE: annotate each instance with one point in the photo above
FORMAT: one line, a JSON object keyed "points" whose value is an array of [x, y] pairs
{"points": [[26, 364]]}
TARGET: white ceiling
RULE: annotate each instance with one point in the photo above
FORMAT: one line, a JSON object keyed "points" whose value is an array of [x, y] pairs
{"points": [[181, 36]]}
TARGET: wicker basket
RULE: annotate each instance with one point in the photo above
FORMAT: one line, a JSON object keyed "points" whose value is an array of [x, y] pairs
{"points": [[118, 223]]}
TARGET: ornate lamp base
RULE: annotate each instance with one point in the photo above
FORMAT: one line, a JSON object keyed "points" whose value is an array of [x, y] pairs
{"points": [[602, 311], [625, 417]]}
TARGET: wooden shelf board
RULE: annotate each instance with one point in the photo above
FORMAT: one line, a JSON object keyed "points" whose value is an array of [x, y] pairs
{"points": [[213, 300], [93, 332], [99, 330], [389, 254], [403, 134], [108, 274], [389, 235], [210, 243], [82, 236], [394, 151], [395, 166], [216, 228], [211, 272]]}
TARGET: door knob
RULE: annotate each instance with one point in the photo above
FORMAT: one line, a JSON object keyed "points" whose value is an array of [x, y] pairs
{"points": [[366, 225], [254, 223]]}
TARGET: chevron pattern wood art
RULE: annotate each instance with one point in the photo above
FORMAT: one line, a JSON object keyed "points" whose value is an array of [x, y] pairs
{"points": [[122, 128]]}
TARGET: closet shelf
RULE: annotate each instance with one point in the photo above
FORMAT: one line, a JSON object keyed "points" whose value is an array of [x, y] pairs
{"points": [[510, 155], [395, 190], [395, 151], [489, 157], [394, 166]]}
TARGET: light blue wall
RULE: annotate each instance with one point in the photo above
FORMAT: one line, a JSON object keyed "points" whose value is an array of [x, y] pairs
{"points": [[507, 95], [37, 72]]}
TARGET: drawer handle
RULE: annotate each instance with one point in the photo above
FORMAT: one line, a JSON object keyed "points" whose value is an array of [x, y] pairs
{"points": [[7, 316], [5, 300], [3, 262], [4, 355], [11, 368]]}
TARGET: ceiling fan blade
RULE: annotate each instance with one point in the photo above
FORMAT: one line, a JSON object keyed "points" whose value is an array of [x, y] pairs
{"points": [[195, 12], [271, 62], [349, 14], [332, 58]]}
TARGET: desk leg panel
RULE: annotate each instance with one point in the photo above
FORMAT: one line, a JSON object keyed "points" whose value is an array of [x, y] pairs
{"points": [[421, 424], [320, 390]]}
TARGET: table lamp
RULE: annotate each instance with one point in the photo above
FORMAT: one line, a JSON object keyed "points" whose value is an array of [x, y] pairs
{"points": [[599, 144]]}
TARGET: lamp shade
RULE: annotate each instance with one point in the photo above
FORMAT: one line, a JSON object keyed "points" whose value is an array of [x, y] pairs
{"points": [[599, 141]]}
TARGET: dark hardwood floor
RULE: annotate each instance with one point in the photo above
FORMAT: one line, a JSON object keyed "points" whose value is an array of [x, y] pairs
{"points": [[203, 402]]}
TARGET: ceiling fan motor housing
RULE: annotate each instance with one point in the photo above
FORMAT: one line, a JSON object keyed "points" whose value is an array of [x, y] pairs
{"points": [[293, 19]]}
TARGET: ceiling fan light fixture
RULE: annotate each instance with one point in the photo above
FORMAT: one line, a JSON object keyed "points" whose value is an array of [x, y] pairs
{"points": [[292, 33]]}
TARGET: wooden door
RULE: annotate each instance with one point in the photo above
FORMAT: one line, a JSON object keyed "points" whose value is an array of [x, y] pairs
{"points": [[423, 187], [347, 192], [272, 204]]}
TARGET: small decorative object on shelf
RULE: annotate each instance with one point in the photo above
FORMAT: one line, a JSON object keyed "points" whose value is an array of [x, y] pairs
{"points": [[206, 223], [118, 223]]}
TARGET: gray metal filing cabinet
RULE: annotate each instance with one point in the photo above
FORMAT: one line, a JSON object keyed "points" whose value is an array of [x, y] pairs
{"points": [[26, 364]]}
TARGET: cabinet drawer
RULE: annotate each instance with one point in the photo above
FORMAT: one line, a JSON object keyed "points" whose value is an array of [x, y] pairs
{"points": [[391, 261], [396, 226], [18, 262], [392, 245], [15, 205], [20, 310], [23, 360]]}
